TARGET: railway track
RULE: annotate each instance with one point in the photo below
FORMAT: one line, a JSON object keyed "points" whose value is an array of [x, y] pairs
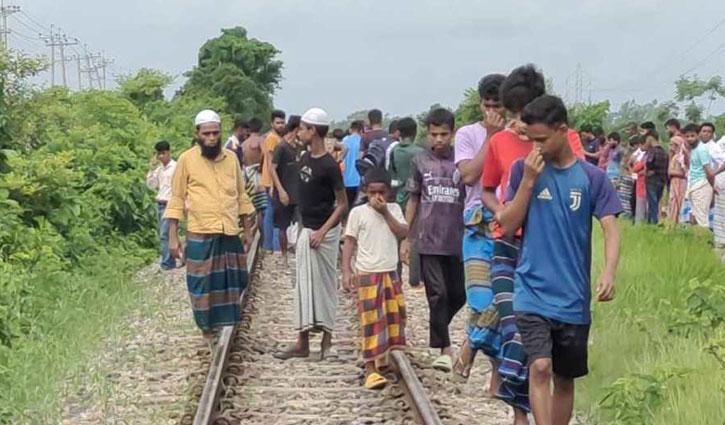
{"points": [[247, 385]]}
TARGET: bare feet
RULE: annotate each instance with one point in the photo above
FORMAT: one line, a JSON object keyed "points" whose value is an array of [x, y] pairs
{"points": [[464, 361], [520, 417], [292, 352], [495, 379]]}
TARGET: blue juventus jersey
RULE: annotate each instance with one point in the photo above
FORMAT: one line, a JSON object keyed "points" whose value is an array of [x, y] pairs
{"points": [[553, 272]]}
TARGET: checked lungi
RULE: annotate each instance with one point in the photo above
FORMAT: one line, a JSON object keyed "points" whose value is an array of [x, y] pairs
{"points": [[513, 370], [381, 306], [216, 275], [482, 323]]}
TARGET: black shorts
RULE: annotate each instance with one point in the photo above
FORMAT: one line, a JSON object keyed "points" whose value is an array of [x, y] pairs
{"points": [[564, 343], [351, 193], [283, 215]]}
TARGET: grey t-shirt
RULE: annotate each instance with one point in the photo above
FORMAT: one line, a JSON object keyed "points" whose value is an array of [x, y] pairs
{"points": [[442, 194]]}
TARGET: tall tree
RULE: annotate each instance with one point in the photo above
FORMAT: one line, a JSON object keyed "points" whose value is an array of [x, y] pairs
{"points": [[469, 110], [145, 86], [589, 114], [693, 88], [242, 70]]}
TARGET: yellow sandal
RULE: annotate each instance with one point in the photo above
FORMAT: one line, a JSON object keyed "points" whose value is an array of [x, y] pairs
{"points": [[375, 381]]}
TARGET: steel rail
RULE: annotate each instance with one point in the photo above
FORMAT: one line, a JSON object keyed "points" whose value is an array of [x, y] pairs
{"points": [[210, 395]]}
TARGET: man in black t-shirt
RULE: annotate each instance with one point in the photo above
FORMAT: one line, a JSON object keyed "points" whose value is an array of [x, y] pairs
{"points": [[591, 142], [657, 162], [322, 202], [376, 132], [285, 176]]}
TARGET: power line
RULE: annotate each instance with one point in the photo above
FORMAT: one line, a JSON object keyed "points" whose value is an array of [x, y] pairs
{"points": [[657, 71], [32, 40], [21, 22], [6, 11], [707, 58], [25, 45], [704, 36], [41, 27], [93, 65]]}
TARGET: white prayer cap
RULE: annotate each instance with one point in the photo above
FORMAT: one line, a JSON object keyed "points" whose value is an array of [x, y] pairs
{"points": [[315, 116], [206, 116]]}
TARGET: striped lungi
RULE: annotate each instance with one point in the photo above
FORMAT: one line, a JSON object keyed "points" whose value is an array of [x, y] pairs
{"points": [[482, 323], [253, 179], [626, 186], [718, 222], [513, 371], [381, 305], [216, 275]]}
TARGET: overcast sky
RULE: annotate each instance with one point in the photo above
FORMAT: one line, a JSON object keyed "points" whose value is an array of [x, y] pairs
{"points": [[402, 56]]}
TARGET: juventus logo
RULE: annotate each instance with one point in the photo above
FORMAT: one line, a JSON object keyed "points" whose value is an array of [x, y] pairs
{"points": [[576, 199]]}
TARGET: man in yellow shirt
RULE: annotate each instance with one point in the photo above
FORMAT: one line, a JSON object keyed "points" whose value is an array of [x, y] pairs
{"points": [[270, 143], [208, 190]]}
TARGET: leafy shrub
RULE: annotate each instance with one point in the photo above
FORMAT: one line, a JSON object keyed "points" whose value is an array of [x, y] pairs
{"points": [[633, 399]]}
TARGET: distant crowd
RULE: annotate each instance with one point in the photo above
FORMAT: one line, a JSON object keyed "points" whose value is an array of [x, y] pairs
{"points": [[689, 169]]}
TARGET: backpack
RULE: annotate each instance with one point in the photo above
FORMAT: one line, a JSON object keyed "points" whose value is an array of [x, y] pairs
{"points": [[375, 156]]}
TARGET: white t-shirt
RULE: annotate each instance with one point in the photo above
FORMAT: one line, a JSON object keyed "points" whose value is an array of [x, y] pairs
{"points": [[377, 246], [716, 151], [160, 179], [637, 155]]}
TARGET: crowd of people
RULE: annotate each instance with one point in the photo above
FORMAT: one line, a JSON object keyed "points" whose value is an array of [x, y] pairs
{"points": [[690, 172], [496, 214]]}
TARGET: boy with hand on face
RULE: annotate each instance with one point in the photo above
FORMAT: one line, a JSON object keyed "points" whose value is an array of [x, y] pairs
{"points": [[373, 229], [470, 147], [553, 196], [436, 198]]}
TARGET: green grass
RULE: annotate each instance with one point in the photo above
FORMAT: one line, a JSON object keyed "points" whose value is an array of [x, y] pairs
{"points": [[81, 308], [631, 334]]}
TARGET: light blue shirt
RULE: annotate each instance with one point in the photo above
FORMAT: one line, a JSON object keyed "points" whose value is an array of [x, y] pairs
{"points": [[351, 176], [699, 158]]}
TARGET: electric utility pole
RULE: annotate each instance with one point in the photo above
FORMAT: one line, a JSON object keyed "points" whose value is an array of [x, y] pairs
{"points": [[102, 65], [61, 41], [6, 11]]}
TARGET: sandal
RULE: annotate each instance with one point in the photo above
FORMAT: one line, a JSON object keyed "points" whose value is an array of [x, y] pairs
{"points": [[443, 363], [375, 381]]}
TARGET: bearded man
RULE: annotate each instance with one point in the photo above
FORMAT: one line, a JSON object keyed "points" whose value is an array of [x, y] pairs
{"points": [[208, 189]]}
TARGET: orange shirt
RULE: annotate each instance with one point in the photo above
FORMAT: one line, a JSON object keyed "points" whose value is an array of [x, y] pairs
{"points": [[504, 148], [576, 143], [268, 145]]}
